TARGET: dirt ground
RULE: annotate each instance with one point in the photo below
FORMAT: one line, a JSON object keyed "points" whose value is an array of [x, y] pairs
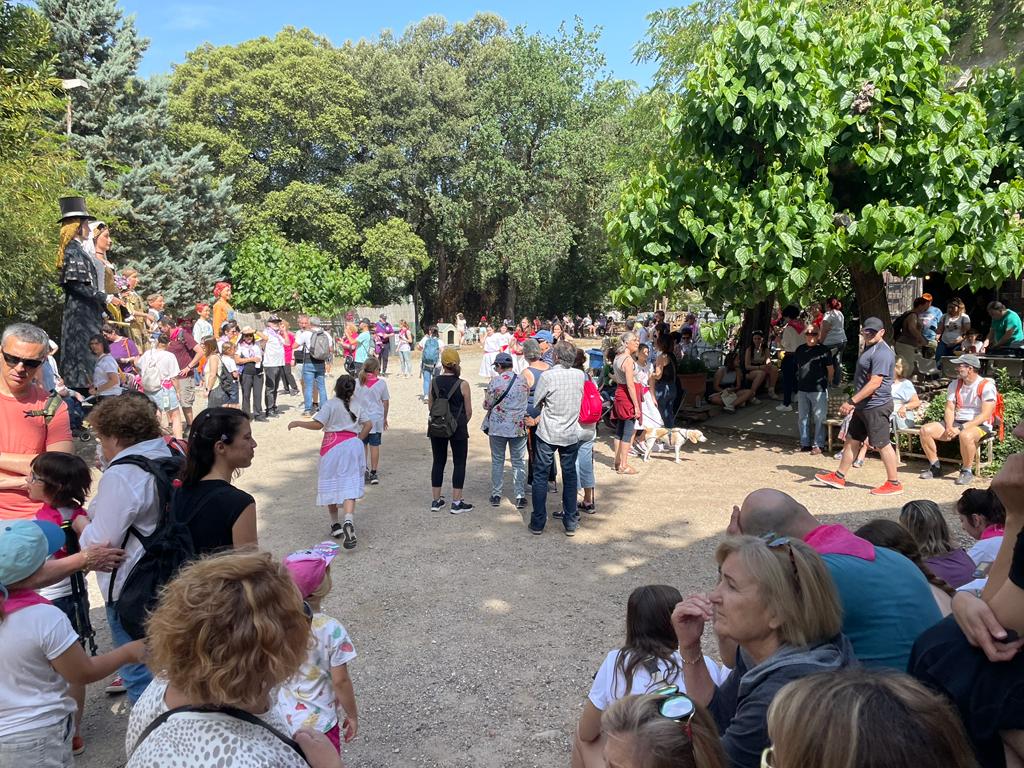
{"points": [[477, 641]]}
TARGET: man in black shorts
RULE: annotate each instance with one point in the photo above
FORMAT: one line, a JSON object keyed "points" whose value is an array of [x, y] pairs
{"points": [[871, 407]]}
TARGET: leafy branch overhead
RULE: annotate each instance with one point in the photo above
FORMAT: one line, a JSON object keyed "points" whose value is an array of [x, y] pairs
{"points": [[793, 121]]}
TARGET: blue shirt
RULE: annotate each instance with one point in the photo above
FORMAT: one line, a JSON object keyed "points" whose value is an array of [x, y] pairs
{"points": [[363, 343], [930, 321], [887, 604]]}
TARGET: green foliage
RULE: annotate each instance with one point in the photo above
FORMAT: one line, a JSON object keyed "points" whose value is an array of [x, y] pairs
{"points": [[35, 166], [268, 272], [394, 255], [805, 142], [311, 213]]}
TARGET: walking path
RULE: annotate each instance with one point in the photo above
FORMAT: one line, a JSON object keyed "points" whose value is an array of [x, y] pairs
{"points": [[477, 642]]}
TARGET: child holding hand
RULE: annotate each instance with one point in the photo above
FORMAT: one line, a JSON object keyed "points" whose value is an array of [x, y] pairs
{"points": [[311, 698]]}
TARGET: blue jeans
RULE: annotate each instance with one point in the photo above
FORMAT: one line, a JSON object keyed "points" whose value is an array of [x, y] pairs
{"points": [[543, 459], [313, 372], [427, 373], [585, 464], [666, 394], [136, 677], [942, 350], [406, 358], [812, 405], [517, 451]]}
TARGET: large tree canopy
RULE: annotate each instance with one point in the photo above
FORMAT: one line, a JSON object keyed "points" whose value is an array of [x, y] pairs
{"points": [[805, 143]]}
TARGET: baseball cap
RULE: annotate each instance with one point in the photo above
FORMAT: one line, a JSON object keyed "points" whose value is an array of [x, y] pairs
{"points": [[273, 319], [503, 360], [872, 324], [972, 360], [450, 357], [544, 336], [24, 547], [308, 566]]}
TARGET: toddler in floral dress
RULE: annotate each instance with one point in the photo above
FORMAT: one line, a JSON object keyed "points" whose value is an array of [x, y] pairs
{"points": [[312, 698]]}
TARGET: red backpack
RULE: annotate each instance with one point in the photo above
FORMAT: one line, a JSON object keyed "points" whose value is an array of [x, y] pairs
{"points": [[591, 405], [998, 415]]}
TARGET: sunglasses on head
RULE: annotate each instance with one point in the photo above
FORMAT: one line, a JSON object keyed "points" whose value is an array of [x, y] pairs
{"points": [[14, 361], [676, 706], [774, 542]]}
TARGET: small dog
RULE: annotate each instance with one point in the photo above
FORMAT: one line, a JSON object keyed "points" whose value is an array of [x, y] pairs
{"points": [[674, 438]]}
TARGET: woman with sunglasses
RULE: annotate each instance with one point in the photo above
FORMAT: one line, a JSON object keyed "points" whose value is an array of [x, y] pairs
{"points": [[666, 729], [777, 616], [649, 660], [882, 720]]}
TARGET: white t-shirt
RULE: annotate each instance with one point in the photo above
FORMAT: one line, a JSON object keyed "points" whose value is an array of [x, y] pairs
{"points": [[307, 700], [105, 366], [32, 694], [165, 363], [273, 352], [229, 363], [968, 404], [371, 403], [985, 550], [204, 740], [335, 418], [953, 328], [609, 685]]}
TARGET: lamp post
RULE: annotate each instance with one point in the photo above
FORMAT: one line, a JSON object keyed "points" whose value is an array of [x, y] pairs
{"points": [[68, 86]]}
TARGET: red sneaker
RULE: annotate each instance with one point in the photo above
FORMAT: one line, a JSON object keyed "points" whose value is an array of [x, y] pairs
{"points": [[831, 479], [888, 488], [77, 745]]}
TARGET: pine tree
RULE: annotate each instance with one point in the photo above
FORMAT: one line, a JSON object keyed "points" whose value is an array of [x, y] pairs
{"points": [[173, 218]]}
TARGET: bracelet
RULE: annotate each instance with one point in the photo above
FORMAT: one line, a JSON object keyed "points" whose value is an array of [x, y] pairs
{"points": [[698, 660]]}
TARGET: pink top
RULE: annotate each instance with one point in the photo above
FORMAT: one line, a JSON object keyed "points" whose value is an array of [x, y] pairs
{"points": [[289, 348], [839, 540]]}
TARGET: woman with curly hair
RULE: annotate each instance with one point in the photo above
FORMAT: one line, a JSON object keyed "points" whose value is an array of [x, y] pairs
{"points": [[226, 633]]}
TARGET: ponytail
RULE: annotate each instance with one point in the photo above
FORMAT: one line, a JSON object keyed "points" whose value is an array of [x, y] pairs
{"points": [[370, 365], [344, 388], [212, 426]]}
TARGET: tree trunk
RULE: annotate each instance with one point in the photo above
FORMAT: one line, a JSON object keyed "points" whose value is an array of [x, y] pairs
{"points": [[872, 300], [757, 318], [510, 300]]}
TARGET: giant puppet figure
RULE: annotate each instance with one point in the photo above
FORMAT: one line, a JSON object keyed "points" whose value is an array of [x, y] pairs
{"points": [[84, 299]]}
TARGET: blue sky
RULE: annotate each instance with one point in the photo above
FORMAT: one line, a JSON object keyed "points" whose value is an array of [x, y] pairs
{"points": [[175, 28]]}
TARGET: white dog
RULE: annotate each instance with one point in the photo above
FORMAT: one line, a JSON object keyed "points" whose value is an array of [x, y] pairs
{"points": [[674, 438]]}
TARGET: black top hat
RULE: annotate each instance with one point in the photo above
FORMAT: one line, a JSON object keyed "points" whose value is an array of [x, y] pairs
{"points": [[73, 208]]}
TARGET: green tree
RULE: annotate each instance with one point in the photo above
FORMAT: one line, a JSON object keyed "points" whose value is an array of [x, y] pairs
{"points": [[35, 166], [805, 143], [394, 256], [268, 272]]}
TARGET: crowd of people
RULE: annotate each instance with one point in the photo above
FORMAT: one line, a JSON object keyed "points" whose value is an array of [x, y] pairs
{"points": [[899, 644]]}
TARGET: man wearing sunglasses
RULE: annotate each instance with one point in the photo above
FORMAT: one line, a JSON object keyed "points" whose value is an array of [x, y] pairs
{"points": [[25, 429], [871, 407]]}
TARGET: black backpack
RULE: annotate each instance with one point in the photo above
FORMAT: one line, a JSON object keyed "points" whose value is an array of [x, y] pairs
{"points": [[167, 549], [442, 422], [897, 324]]}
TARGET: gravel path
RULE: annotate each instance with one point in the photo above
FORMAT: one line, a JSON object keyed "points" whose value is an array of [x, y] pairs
{"points": [[477, 641]]}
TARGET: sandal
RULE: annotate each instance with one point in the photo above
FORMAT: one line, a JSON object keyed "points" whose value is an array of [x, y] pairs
{"points": [[627, 471]]}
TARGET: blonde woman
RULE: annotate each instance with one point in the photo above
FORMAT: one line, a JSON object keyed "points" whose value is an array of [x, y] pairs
{"points": [[228, 630], [405, 348], [871, 719], [777, 616], [664, 730]]}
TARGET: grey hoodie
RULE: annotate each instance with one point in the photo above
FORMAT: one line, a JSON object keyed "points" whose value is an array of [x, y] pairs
{"points": [[740, 705]]}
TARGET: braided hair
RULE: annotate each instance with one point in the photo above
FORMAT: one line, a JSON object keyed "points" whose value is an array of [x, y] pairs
{"points": [[68, 232], [892, 535], [344, 388]]}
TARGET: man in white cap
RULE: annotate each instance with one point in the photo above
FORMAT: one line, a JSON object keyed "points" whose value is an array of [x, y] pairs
{"points": [[970, 407]]}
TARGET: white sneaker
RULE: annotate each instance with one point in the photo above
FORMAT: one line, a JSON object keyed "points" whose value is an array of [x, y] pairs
{"points": [[781, 407]]}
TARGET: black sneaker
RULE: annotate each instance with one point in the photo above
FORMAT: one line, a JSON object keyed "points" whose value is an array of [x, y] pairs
{"points": [[437, 504], [521, 502], [495, 501], [350, 535], [557, 515], [373, 478], [582, 506], [460, 506], [933, 471], [366, 476], [336, 530]]}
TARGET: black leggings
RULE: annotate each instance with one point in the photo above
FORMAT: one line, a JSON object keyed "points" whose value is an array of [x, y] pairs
{"points": [[439, 448]]}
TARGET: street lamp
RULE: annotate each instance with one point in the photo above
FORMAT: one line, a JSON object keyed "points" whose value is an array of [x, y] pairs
{"points": [[68, 86]]}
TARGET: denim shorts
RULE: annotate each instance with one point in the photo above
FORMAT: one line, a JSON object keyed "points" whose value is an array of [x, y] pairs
{"points": [[47, 747], [166, 399], [373, 439]]}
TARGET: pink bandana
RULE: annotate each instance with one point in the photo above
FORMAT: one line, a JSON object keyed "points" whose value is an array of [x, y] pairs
{"points": [[839, 540], [22, 598], [992, 531], [332, 439]]}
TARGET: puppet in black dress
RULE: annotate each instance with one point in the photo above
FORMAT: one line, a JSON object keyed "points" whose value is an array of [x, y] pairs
{"points": [[84, 300]]}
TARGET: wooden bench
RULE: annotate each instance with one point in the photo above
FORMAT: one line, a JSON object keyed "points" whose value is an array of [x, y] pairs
{"points": [[832, 425], [983, 455]]}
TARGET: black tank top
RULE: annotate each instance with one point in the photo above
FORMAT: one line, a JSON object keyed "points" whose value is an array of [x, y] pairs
{"points": [[451, 387]]}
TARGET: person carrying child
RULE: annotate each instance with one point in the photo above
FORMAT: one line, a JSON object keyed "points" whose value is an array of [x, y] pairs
{"points": [[41, 654], [312, 697], [341, 475], [374, 400], [61, 482]]}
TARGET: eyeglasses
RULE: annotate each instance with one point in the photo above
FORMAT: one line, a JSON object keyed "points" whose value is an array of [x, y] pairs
{"points": [[14, 361], [768, 757], [774, 542], [34, 478]]}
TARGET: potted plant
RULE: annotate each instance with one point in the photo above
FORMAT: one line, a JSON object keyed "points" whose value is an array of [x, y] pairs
{"points": [[692, 375]]}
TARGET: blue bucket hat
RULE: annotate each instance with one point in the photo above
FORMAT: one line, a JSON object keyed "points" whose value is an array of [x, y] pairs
{"points": [[24, 547], [544, 336]]}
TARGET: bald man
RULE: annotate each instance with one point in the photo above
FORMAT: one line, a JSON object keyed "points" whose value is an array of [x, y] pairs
{"points": [[886, 600]]}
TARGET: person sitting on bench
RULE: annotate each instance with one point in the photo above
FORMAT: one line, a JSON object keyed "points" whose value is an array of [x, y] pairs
{"points": [[970, 406]]}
